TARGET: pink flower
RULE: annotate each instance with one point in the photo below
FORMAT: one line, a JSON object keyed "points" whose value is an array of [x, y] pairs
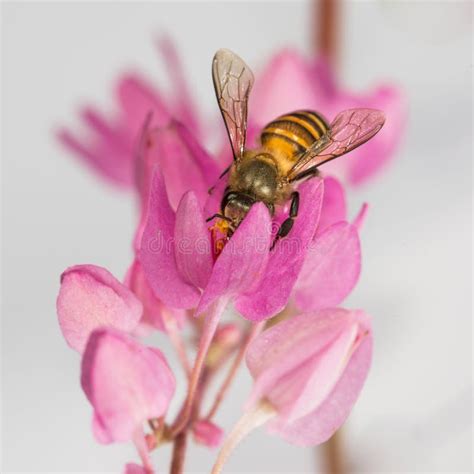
{"points": [[290, 82], [311, 369], [91, 297], [110, 147], [126, 384], [176, 254], [207, 433], [178, 275]]}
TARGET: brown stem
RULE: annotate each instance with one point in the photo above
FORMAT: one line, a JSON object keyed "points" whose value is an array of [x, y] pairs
{"points": [[179, 452], [333, 449], [326, 29], [251, 334]]}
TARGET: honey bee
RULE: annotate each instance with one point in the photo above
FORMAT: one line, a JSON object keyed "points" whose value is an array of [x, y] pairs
{"points": [[293, 147]]}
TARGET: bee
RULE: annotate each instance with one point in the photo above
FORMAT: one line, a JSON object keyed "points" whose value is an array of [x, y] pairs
{"points": [[293, 147]]}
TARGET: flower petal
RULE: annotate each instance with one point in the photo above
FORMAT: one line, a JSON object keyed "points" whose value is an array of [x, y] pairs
{"points": [[286, 259], [157, 251], [243, 260], [324, 77], [213, 203], [107, 151], [361, 216], [125, 382], [320, 425], [192, 242], [183, 105], [184, 164], [334, 207], [285, 85], [284, 347], [138, 99], [153, 308], [91, 297], [151, 317], [302, 390], [331, 269], [368, 160]]}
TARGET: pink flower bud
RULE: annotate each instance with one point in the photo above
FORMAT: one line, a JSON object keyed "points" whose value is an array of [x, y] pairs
{"points": [[125, 382], [91, 297], [228, 335], [207, 433], [151, 443], [311, 369]]}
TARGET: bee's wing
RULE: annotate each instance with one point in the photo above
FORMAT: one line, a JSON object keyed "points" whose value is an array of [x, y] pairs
{"points": [[350, 129], [233, 81]]}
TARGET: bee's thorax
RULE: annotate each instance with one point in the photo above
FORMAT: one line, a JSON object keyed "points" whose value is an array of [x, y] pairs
{"points": [[256, 176]]}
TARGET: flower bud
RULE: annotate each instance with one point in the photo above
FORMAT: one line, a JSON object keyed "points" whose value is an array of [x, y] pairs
{"points": [[207, 433], [311, 369], [91, 297], [126, 384], [228, 335]]}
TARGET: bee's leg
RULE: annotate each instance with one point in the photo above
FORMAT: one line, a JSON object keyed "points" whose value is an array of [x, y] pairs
{"points": [[287, 224], [309, 173], [211, 189]]}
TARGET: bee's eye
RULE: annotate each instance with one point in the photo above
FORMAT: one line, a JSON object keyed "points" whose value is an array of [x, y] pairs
{"points": [[227, 198]]}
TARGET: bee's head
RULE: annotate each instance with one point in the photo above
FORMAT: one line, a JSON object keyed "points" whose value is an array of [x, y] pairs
{"points": [[235, 207]]}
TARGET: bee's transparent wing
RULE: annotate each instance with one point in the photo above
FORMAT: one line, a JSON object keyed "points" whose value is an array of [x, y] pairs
{"points": [[349, 130], [233, 81]]}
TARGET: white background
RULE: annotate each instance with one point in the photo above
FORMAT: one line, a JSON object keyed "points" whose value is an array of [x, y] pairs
{"points": [[415, 411]]}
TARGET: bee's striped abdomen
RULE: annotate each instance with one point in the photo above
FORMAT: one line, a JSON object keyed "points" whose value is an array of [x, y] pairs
{"points": [[294, 133]]}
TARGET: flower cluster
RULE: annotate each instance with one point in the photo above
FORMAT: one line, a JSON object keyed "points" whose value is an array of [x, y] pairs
{"points": [[308, 357]]}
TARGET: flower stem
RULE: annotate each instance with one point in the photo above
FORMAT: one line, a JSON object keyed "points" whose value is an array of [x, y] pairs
{"points": [[249, 421], [179, 451], [334, 454], [251, 334], [326, 31], [210, 325], [177, 341], [142, 449]]}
